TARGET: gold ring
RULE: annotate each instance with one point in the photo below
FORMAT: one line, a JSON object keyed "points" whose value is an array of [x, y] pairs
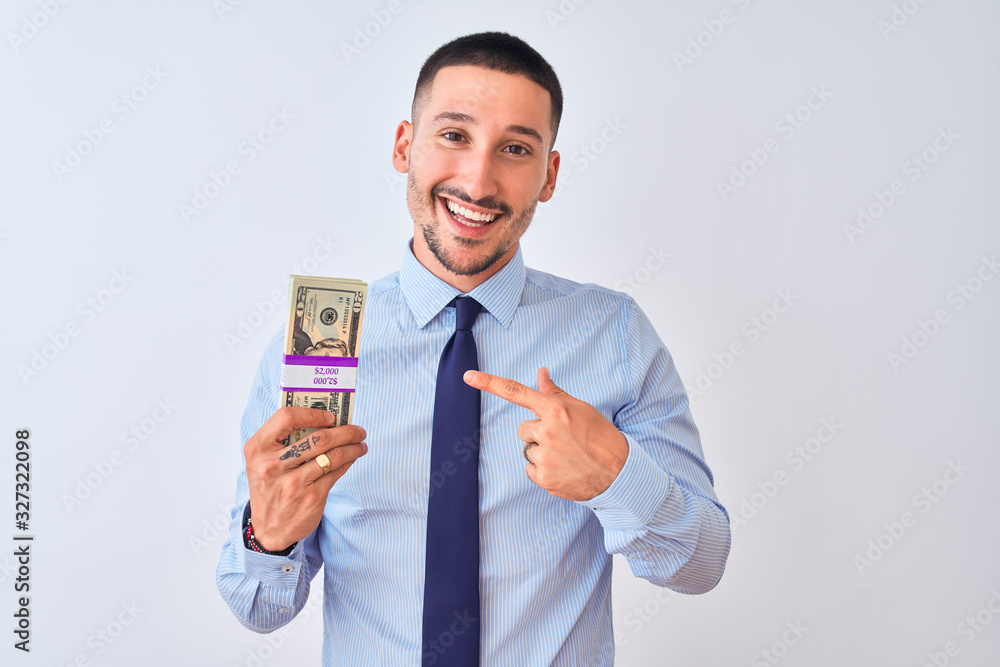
{"points": [[323, 462]]}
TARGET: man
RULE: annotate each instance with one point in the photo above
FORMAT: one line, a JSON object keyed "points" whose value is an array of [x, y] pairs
{"points": [[328, 347], [607, 461]]}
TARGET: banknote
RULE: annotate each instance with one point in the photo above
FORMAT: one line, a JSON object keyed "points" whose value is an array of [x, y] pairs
{"points": [[320, 366]]}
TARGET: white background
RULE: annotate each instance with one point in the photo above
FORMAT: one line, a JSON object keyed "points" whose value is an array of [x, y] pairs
{"points": [[145, 537]]}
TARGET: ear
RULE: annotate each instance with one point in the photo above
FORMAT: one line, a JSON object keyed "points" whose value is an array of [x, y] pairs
{"points": [[401, 147], [550, 177]]}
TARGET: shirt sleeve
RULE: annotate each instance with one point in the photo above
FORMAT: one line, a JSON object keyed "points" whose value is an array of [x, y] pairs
{"points": [[661, 512], [264, 591]]}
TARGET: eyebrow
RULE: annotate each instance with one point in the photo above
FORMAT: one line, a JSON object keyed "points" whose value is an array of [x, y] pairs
{"points": [[457, 117]]}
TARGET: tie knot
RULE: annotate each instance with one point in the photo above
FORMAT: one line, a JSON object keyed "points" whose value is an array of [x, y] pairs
{"points": [[466, 311]]}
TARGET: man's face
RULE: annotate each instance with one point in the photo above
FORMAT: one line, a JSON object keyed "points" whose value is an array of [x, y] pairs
{"points": [[479, 162], [328, 347]]}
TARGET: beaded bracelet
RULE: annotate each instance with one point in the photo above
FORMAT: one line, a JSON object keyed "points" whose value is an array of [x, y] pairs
{"points": [[250, 542]]}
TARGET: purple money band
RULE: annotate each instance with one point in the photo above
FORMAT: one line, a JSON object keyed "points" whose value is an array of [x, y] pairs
{"points": [[319, 374], [308, 360]]}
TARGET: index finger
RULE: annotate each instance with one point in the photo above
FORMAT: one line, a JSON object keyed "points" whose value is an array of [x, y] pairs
{"points": [[283, 421], [508, 390]]}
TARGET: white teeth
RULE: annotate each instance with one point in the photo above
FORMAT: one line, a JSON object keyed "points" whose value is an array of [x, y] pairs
{"points": [[470, 215]]}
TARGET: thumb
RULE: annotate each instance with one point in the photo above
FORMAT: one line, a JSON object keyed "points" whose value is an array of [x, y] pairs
{"points": [[545, 383]]}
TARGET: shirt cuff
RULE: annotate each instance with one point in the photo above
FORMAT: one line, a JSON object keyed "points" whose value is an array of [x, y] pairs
{"points": [[636, 494], [275, 571]]}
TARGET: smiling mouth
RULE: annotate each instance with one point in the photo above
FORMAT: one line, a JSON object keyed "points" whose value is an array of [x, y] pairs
{"points": [[468, 217]]}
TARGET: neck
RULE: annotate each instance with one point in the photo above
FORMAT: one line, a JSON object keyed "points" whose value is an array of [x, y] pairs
{"points": [[464, 284]]}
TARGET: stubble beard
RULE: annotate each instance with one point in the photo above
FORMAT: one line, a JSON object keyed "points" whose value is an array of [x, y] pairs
{"points": [[432, 237]]}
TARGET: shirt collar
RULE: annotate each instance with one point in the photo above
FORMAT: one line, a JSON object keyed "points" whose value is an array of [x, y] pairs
{"points": [[427, 295]]}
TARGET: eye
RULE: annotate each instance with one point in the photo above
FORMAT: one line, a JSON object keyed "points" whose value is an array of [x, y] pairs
{"points": [[517, 149], [452, 135]]}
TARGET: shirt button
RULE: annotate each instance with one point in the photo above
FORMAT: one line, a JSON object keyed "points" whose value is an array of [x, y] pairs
{"points": [[287, 568], [283, 610]]}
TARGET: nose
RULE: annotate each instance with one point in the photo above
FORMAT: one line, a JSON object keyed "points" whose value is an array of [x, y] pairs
{"points": [[479, 174]]}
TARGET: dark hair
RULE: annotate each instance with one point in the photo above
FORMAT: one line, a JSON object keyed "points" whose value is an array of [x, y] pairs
{"points": [[497, 51]]}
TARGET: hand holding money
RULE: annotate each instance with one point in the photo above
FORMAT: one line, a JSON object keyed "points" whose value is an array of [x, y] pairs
{"points": [[288, 483], [288, 488]]}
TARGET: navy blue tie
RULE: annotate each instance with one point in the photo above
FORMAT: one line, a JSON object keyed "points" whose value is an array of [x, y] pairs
{"points": [[451, 593]]}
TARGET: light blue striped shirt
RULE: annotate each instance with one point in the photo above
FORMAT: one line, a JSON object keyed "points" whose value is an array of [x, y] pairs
{"points": [[545, 569]]}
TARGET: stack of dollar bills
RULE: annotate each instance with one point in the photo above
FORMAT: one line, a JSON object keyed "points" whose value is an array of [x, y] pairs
{"points": [[320, 367]]}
